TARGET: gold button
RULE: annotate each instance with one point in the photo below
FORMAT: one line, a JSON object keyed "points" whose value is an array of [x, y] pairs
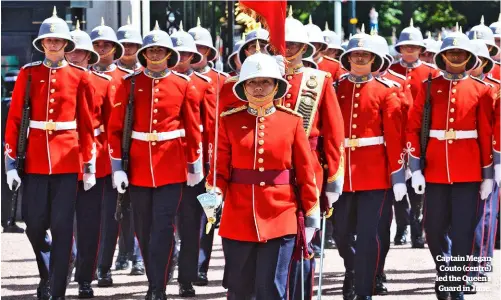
{"points": [[52, 91], [451, 120], [154, 131], [54, 80], [357, 95], [358, 85], [157, 81], [452, 110], [261, 169], [51, 111], [353, 136], [355, 116], [453, 91], [52, 100], [260, 160], [261, 119], [355, 105], [354, 126], [289, 77], [261, 134], [288, 105], [156, 100], [155, 110], [326, 167], [51, 120], [453, 100], [409, 70], [450, 141], [410, 77], [50, 132], [261, 127], [260, 151], [156, 90], [288, 96], [352, 148], [408, 86], [454, 82], [53, 71], [261, 142], [154, 121], [153, 143], [262, 183]]}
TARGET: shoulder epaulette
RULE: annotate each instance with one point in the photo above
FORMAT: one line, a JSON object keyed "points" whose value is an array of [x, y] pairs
{"points": [[430, 65], [396, 74], [233, 111], [182, 75], [206, 78], [438, 76], [384, 81], [479, 80], [288, 110], [105, 76], [343, 77], [231, 79], [131, 75], [221, 72], [331, 59], [33, 64], [494, 79], [393, 82], [497, 62]]}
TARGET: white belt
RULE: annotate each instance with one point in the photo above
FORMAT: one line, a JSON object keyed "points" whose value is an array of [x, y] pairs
{"points": [[364, 142], [53, 126], [453, 134], [183, 132], [159, 136]]}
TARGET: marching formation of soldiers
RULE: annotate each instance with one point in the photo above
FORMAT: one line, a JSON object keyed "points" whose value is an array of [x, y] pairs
{"points": [[143, 130]]}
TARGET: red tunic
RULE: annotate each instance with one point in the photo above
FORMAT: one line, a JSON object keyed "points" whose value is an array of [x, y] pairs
{"points": [[330, 65], [495, 72]]}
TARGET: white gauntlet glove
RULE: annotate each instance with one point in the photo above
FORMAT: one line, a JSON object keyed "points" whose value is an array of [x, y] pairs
{"points": [[120, 177]]}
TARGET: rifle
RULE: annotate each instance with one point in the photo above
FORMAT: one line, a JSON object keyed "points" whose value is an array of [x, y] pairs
{"points": [[21, 152], [425, 124], [126, 141]]}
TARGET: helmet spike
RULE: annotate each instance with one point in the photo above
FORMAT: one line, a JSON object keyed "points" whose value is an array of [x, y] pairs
{"points": [[310, 21], [349, 38], [77, 27], [326, 25], [181, 26], [482, 20], [156, 26], [474, 35], [198, 22], [439, 37], [54, 12], [290, 11], [499, 17], [258, 48], [128, 20], [102, 21], [428, 33], [457, 26], [411, 24], [461, 29], [363, 28]]}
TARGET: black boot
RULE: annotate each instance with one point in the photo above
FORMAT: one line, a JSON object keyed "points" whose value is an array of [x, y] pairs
{"points": [[330, 243], [383, 276], [441, 295], [85, 290], [418, 243], [172, 265], [137, 268], [158, 295], [401, 236], [363, 297], [12, 229], [380, 289], [104, 278], [43, 290], [186, 290], [57, 298], [349, 285], [201, 279], [149, 292], [121, 263]]}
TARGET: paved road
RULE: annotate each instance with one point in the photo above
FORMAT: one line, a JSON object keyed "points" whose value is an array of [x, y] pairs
{"points": [[410, 275]]}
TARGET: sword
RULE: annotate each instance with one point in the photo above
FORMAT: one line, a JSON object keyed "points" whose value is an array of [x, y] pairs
{"points": [[322, 248]]}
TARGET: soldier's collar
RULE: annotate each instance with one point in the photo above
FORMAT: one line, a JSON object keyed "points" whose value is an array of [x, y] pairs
{"points": [[156, 75], [187, 73], [481, 76], [299, 68], [204, 70], [124, 67], [104, 69], [450, 76], [261, 111], [411, 65], [360, 79], [54, 64]]}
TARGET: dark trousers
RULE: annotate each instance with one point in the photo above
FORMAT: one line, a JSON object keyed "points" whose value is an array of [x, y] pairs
{"points": [[88, 215], [49, 203], [410, 213], [155, 210], [295, 280], [385, 226], [109, 227], [189, 219], [451, 210], [257, 270], [128, 245], [368, 212]]}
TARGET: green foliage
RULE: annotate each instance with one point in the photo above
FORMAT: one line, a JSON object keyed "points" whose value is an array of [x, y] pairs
{"points": [[390, 13]]}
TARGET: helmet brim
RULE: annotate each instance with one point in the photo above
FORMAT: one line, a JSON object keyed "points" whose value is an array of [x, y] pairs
{"points": [[439, 62], [119, 48], [376, 64], [241, 52], [171, 62], [37, 43], [283, 87]]}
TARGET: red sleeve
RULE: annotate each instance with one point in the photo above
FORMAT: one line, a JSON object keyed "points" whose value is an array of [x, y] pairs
{"points": [[190, 113], [392, 131], [484, 128], [413, 130], [223, 160], [107, 107], [115, 125], [497, 129], [85, 128], [333, 132]]}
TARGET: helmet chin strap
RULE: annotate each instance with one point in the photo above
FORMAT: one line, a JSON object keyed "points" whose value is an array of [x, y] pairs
{"points": [[109, 53], [157, 62], [357, 64], [261, 101], [294, 56], [47, 51], [456, 65]]}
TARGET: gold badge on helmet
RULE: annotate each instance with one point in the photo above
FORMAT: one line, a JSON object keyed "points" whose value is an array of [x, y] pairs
{"points": [[196, 37], [52, 27], [328, 40], [360, 43], [127, 34], [179, 42], [455, 42], [100, 32], [155, 38]]}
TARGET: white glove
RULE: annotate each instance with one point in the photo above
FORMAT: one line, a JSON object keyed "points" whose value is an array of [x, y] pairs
{"points": [[89, 180], [497, 174], [11, 177], [120, 177], [400, 190], [280, 63], [309, 232], [332, 198], [486, 188], [418, 182], [194, 179]]}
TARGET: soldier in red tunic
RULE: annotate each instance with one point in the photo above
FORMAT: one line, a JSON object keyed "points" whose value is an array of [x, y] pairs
{"points": [[131, 40], [458, 157], [164, 111], [264, 180], [60, 130]]}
